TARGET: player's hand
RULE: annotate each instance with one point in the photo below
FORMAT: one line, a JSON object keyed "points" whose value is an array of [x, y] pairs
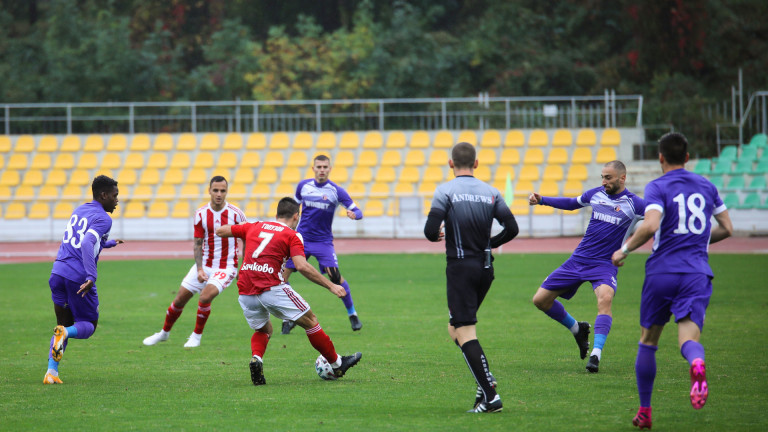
{"points": [[338, 290], [84, 288], [441, 233], [118, 241], [351, 214], [618, 258], [534, 199], [201, 276]]}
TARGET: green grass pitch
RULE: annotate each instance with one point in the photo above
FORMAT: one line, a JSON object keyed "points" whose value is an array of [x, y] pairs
{"points": [[411, 376]]}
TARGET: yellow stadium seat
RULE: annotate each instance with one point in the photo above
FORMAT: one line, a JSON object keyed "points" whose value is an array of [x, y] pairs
{"points": [[233, 141], [284, 190], [415, 158], [396, 140], [250, 159], [368, 158], [267, 175], [134, 210], [577, 172], [409, 174], [586, 137], [434, 174], [572, 188], [543, 210], [32, 178], [490, 139], [15, 211], [349, 140], [380, 190], [117, 143], [483, 172], [56, 177], [486, 157], [18, 161], [404, 188], [5, 144], [557, 156], [427, 189], [10, 178], [610, 137], [157, 161], [391, 158], [274, 159], [2, 161], [186, 142], [523, 188], [362, 174], [562, 138], [163, 142], [529, 173], [47, 144], [340, 175], [210, 141], [444, 139], [134, 161], [24, 144], [374, 208], [420, 139], [141, 193], [203, 160], [237, 190], [538, 138], [227, 160], [110, 161], [126, 176], [64, 161], [158, 210], [166, 192], [279, 141], [373, 140], [326, 140], [223, 172], [94, 143], [549, 188], [309, 173], [514, 138], [243, 176], [180, 160], [302, 141], [467, 136], [386, 174], [192, 192], [181, 210], [438, 158], [256, 141], [581, 155], [76, 193], [24, 193], [48, 192], [80, 177], [261, 191], [552, 173], [533, 156], [344, 158], [63, 210], [70, 143], [509, 157], [173, 176], [41, 161], [140, 143], [605, 155], [91, 161], [500, 175], [393, 207], [150, 176], [356, 190]]}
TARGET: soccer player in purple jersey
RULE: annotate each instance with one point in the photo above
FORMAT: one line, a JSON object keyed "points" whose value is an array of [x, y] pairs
{"points": [[615, 211], [73, 278], [319, 198], [678, 279]]}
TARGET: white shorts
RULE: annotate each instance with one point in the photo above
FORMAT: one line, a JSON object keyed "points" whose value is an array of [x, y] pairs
{"points": [[282, 301], [220, 278]]}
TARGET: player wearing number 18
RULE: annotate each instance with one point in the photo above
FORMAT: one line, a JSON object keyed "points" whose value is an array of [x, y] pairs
{"points": [[678, 279], [73, 278]]}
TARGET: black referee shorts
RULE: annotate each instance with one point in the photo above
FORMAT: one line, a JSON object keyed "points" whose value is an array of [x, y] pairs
{"points": [[467, 284]]}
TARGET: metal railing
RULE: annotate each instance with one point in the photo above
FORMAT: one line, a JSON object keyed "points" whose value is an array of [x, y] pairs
{"points": [[482, 112]]}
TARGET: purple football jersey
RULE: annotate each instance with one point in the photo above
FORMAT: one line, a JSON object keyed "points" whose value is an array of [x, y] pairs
{"points": [[71, 263], [687, 202], [319, 202]]}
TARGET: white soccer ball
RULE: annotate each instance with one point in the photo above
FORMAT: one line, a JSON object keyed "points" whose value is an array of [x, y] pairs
{"points": [[324, 369]]}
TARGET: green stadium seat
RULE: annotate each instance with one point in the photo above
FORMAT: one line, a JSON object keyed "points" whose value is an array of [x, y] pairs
{"points": [[748, 153], [743, 167], [759, 140], [717, 181], [731, 200], [752, 200], [728, 154], [703, 167], [735, 183], [723, 166], [757, 183], [761, 167]]}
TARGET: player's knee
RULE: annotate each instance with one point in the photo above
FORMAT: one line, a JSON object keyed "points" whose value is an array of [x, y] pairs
{"points": [[542, 302], [334, 274]]}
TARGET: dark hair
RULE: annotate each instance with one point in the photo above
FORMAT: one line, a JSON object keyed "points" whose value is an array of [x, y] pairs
{"points": [[674, 147], [101, 184], [286, 208], [218, 179], [618, 166], [321, 157], [463, 155]]}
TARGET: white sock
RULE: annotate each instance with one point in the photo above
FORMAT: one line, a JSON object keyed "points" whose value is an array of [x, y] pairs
{"points": [[337, 363], [597, 352], [575, 328], [53, 372], [260, 359]]}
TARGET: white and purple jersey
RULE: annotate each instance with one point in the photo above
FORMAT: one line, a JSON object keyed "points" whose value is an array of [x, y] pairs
{"points": [[319, 202], [86, 234], [687, 202], [613, 218]]}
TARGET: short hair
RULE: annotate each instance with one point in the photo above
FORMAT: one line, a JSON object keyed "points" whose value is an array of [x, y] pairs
{"points": [[101, 184], [463, 155], [674, 147], [618, 166], [215, 179], [321, 157], [286, 208]]}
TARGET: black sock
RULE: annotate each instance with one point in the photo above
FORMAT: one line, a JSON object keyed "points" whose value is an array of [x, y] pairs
{"points": [[478, 365]]}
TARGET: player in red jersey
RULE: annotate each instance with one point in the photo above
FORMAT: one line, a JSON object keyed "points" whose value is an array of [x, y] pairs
{"points": [[215, 264], [263, 289]]}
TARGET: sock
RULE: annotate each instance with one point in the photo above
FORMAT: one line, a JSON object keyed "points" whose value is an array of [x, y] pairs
{"points": [[557, 312], [322, 343], [81, 330], [259, 343], [478, 365], [171, 315], [203, 312], [347, 299], [645, 372], [53, 365], [602, 328], [692, 350]]}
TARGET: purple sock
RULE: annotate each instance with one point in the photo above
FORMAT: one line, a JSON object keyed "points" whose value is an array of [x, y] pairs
{"points": [[347, 299], [85, 329], [50, 347], [691, 350], [602, 328], [557, 312], [645, 372]]}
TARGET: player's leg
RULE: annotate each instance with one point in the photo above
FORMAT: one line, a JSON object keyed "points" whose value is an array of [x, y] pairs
{"points": [[288, 269], [335, 276], [218, 280], [546, 300], [603, 321], [64, 317], [188, 288], [257, 316], [645, 373]]}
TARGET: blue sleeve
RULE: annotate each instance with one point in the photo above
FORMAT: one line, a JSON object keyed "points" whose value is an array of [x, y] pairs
{"points": [[561, 203], [346, 200]]}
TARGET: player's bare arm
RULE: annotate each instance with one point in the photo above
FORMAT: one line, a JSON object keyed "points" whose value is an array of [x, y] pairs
{"points": [[222, 231], [313, 275], [201, 276], [639, 238], [724, 228]]}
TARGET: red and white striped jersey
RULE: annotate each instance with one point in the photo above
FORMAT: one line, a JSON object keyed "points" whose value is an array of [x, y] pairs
{"points": [[218, 252]]}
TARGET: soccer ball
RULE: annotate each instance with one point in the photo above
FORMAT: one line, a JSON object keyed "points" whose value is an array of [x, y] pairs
{"points": [[324, 369]]}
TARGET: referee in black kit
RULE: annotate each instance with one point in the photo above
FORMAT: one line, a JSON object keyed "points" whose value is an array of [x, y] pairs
{"points": [[468, 206]]}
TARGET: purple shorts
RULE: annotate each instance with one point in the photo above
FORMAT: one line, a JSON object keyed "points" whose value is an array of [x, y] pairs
{"points": [[682, 294], [64, 294], [324, 252], [576, 271]]}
